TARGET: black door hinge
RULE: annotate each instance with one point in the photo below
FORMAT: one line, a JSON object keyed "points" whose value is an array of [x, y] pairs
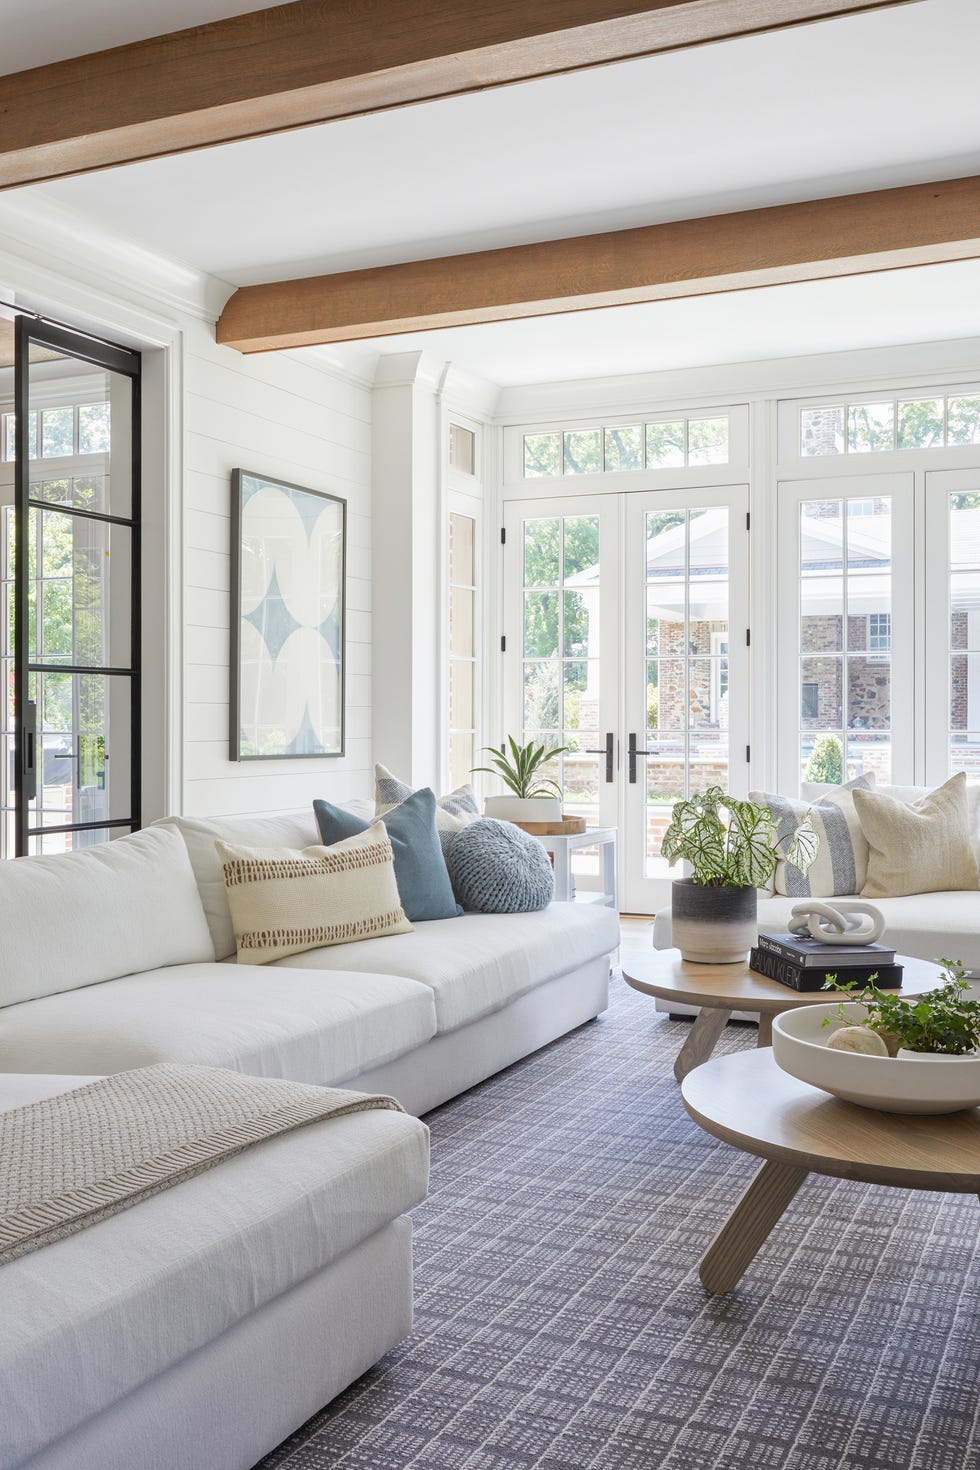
{"points": [[748, 754], [503, 535], [748, 520], [503, 645], [748, 637]]}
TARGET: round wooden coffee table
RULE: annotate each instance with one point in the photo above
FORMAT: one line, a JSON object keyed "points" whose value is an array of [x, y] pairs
{"points": [[746, 1100], [719, 990]]}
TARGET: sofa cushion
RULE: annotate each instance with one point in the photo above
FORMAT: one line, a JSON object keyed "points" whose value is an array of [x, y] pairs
{"points": [[420, 868], [479, 963], [919, 848], [86, 916], [841, 862], [276, 829], [308, 1026], [496, 868], [284, 900], [88, 1319]]}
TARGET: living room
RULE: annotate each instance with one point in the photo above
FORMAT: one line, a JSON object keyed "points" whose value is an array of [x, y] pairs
{"points": [[604, 377]]}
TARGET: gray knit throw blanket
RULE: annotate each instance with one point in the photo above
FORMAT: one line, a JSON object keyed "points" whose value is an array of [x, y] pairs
{"points": [[71, 1160]]}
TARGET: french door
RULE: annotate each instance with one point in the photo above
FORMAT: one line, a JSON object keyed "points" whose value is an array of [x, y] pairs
{"points": [[69, 564], [846, 635], [626, 640]]}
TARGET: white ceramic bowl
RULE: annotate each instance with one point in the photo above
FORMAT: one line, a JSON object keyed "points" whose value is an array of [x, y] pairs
{"points": [[890, 1084]]}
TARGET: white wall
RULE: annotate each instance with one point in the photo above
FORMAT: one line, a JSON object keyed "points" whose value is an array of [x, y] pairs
{"points": [[280, 416]]}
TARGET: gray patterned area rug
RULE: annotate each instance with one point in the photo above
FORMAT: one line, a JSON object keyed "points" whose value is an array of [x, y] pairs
{"points": [[560, 1323]]}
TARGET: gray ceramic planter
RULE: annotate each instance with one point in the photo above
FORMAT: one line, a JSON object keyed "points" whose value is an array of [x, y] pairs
{"points": [[714, 926]]}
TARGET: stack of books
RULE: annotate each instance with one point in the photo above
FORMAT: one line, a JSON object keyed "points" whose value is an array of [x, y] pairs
{"points": [[804, 964]]}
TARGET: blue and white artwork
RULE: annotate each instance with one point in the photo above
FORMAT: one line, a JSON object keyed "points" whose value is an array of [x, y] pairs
{"points": [[288, 621]]}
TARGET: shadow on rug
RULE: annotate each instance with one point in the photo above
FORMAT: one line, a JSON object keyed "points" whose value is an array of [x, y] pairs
{"points": [[560, 1324]]}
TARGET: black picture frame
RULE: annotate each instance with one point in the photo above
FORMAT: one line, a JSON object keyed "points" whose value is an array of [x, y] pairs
{"points": [[288, 602]]}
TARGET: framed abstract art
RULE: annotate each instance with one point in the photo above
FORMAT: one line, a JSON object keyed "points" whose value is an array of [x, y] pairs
{"points": [[288, 551]]}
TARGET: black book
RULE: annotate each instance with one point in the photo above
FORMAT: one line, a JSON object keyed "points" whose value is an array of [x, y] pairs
{"points": [[812, 977], [805, 952]]}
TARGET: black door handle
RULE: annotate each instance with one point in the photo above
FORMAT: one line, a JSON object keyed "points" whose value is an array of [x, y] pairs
{"points": [[28, 759], [632, 753], [608, 750]]}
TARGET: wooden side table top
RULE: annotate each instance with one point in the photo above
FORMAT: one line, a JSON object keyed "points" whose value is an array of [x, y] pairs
{"points": [[737, 988], [747, 1100]]}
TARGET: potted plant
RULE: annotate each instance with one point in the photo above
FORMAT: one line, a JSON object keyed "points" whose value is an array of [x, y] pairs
{"points": [[535, 797], [941, 1024], [733, 849]]}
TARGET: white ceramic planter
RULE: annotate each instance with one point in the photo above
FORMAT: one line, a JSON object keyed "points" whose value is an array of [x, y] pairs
{"points": [[523, 808]]}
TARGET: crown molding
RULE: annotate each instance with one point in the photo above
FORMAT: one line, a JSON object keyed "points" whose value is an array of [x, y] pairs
{"points": [[912, 364], [36, 231]]}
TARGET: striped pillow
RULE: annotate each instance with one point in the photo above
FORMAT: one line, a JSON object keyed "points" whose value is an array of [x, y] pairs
{"points": [[286, 900], [841, 864]]}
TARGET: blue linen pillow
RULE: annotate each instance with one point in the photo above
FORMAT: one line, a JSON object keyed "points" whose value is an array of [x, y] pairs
{"points": [[420, 868]]}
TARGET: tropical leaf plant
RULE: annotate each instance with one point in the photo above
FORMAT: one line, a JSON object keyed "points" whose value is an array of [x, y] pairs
{"points": [[733, 844], [945, 1020], [519, 766]]}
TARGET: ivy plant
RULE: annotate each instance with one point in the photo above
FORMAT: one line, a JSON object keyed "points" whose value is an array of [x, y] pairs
{"points": [[520, 765], [733, 844], [941, 1020]]}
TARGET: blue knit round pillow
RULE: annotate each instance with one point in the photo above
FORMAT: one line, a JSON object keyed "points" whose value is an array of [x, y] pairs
{"points": [[496, 868]]}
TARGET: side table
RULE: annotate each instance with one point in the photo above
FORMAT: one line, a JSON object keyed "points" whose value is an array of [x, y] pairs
{"points": [[561, 849]]}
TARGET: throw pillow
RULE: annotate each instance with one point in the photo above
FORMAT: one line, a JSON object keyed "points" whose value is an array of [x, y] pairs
{"points": [[453, 812], [919, 848], [284, 900], [841, 864], [420, 868], [496, 868]]}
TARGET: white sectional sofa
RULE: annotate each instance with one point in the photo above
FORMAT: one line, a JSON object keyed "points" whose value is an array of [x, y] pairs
{"points": [[201, 1327]]}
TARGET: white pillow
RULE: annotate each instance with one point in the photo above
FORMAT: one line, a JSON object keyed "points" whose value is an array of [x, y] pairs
{"points": [[284, 901], [918, 847], [114, 909]]}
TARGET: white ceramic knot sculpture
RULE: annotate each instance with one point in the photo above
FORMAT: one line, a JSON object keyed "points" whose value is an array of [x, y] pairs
{"points": [[844, 922]]}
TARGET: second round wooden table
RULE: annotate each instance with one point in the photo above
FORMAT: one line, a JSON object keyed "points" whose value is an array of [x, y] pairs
{"points": [[720, 990]]}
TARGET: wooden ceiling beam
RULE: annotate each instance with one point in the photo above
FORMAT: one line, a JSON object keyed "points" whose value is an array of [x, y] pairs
{"points": [[922, 224], [314, 61]]}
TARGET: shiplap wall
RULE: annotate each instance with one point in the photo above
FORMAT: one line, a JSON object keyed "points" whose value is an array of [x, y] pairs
{"points": [[275, 415]]}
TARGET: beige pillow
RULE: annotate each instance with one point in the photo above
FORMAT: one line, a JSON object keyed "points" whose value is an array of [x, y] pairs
{"points": [[285, 900], [922, 847]]}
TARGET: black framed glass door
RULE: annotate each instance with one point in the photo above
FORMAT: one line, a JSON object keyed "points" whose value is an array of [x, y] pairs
{"points": [[76, 590]]}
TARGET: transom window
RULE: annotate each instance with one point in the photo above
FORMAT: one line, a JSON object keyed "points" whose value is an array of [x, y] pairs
{"points": [[675, 443], [60, 431], [883, 424]]}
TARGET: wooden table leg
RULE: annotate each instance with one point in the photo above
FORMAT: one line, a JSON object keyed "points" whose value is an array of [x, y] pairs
{"points": [[748, 1226], [765, 1031], [709, 1023]]}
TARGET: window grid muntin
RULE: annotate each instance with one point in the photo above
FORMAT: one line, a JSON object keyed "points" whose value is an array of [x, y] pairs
{"points": [[563, 454], [811, 416]]}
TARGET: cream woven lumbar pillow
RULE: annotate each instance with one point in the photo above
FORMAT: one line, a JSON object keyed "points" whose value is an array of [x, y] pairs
{"points": [[922, 847], [285, 900]]}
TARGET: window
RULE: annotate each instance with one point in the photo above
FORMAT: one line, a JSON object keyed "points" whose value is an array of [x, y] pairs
{"points": [[462, 647], [810, 701], [659, 444], [462, 449], [875, 425], [65, 430], [879, 632]]}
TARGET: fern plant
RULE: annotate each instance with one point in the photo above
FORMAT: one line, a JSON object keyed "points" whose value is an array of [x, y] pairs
{"points": [[519, 767], [733, 844]]}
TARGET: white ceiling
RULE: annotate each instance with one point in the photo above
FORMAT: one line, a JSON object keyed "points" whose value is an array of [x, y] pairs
{"points": [[36, 32], [864, 102]]}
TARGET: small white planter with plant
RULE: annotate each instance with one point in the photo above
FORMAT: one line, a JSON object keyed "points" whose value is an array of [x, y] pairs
{"points": [[534, 797]]}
